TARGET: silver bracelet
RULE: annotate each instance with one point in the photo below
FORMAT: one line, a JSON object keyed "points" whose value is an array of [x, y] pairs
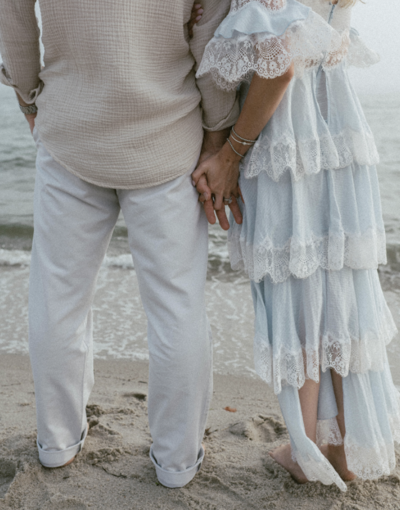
{"points": [[238, 141], [241, 137], [28, 110], [232, 147]]}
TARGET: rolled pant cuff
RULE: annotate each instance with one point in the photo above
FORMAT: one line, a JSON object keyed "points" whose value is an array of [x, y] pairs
{"points": [[57, 458], [175, 479]]}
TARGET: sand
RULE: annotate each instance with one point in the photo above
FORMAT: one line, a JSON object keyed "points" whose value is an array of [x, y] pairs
{"points": [[114, 470]]}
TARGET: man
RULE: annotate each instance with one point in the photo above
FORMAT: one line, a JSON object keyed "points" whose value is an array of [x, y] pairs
{"points": [[116, 117]]}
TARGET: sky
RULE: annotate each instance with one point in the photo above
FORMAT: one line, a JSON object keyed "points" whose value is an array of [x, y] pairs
{"points": [[378, 22]]}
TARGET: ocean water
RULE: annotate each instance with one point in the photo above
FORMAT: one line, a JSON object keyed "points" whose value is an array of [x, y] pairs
{"points": [[120, 322]]}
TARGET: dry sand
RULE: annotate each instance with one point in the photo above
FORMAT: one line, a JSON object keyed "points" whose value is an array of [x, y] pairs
{"points": [[114, 472]]}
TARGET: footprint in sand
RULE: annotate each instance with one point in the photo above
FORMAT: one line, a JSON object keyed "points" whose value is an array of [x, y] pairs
{"points": [[264, 429], [104, 455], [99, 430], [8, 471], [94, 410]]}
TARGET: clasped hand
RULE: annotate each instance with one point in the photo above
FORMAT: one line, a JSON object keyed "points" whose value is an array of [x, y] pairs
{"points": [[216, 178]]}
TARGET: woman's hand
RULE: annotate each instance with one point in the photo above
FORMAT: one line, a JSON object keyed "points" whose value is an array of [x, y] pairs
{"points": [[216, 179], [197, 12]]}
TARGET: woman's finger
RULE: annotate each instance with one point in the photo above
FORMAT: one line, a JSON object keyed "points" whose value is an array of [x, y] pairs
{"points": [[236, 212], [196, 7], [219, 202], [223, 220], [196, 14], [209, 210]]}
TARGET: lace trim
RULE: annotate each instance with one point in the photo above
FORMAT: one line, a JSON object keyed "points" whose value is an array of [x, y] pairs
{"points": [[359, 55], [336, 56], [305, 43], [318, 469], [307, 157], [344, 354], [328, 432], [372, 462], [365, 251], [369, 463], [271, 5]]}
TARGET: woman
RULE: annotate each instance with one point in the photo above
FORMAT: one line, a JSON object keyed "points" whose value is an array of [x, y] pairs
{"points": [[312, 234]]}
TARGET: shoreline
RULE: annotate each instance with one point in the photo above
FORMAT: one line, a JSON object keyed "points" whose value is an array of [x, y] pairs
{"points": [[114, 471]]}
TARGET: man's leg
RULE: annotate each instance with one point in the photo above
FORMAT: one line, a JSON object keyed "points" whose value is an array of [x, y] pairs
{"points": [[73, 223], [168, 236]]}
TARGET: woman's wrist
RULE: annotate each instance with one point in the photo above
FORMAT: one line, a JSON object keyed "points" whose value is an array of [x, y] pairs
{"points": [[238, 145], [229, 154]]}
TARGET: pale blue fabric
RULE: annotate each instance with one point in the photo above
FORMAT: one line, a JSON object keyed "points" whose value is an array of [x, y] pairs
{"points": [[327, 407], [314, 465], [253, 18], [311, 240]]}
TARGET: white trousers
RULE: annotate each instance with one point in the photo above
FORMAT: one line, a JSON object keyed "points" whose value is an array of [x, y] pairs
{"points": [[168, 238]]}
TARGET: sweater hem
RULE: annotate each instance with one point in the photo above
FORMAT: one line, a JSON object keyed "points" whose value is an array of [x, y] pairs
{"points": [[109, 184]]}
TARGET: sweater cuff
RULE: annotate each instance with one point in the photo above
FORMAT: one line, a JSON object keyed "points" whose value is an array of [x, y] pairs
{"points": [[28, 96], [228, 121]]}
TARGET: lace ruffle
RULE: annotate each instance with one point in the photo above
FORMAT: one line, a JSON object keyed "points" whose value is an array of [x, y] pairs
{"points": [[318, 470], [331, 253], [306, 43], [359, 55], [328, 432], [271, 5], [369, 448], [344, 354], [369, 463], [307, 157]]}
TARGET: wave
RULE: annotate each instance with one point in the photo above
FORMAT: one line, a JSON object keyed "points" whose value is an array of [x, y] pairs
{"points": [[218, 258], [23, 258]]}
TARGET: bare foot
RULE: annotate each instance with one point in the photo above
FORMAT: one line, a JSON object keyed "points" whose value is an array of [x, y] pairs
{"points": [[69, 462], [283, 456], [337, 457], [73, 458]]}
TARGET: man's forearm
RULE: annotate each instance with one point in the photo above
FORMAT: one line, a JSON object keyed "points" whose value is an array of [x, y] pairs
{"points": [[19, 47], [20, 100], [214, 140]]}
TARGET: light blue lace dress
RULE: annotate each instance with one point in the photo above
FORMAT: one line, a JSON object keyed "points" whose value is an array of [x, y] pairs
{"points": [[312, 234]]}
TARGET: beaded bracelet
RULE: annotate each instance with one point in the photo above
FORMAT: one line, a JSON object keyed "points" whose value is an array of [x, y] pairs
{"points": [[238, 141], [234, 150], [243, 140]]}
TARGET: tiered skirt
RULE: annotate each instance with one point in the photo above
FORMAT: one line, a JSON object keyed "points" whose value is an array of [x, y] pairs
{"points": [[311, 244]]}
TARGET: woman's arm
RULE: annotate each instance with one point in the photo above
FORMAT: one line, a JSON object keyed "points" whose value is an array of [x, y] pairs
{"points": [[217, 177]]}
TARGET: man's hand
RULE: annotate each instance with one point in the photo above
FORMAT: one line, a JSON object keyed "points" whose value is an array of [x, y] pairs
{"points": [[31, 117], [31, 121], [216, 179]]}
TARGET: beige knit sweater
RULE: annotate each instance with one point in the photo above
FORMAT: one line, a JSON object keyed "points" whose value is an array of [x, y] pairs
{"points": [[117, 98]]}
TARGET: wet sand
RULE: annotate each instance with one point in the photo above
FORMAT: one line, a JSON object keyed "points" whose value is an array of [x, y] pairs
{"points": [[114, 470]]}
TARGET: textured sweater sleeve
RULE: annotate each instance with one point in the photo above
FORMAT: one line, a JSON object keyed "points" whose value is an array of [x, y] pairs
{"points": [[220, 108], [19, 48]]}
